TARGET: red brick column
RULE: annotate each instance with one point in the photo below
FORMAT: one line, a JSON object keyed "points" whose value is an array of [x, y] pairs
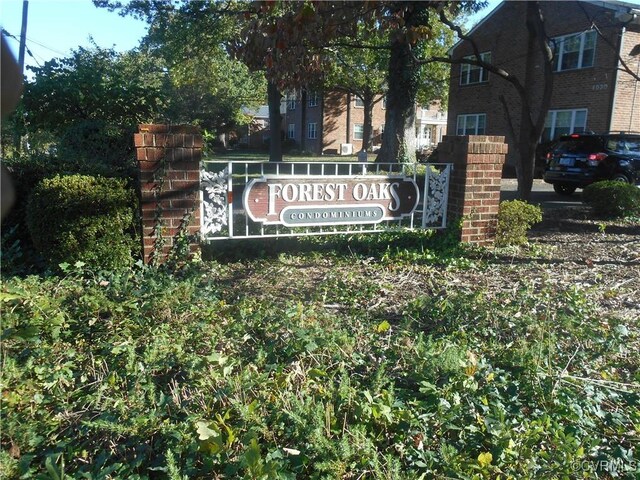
{"points": [[169, 167], [474, 190]]}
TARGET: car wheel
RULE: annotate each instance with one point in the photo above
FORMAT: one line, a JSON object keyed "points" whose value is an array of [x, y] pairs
{"points": [[563, 189], [620, 177]]}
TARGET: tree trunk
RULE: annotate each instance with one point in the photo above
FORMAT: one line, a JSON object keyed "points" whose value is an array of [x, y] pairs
{"points": [[532, 122], [367, 133], [275, 122], [222, 139], [399, 141]]}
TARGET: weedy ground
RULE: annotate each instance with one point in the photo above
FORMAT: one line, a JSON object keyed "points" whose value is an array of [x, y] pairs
{"points": [[401, 356]]}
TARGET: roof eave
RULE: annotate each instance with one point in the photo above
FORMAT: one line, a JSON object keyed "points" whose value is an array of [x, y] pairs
{"points": [[476, 26]]}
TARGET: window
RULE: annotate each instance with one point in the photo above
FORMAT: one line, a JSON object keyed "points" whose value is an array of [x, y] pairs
{"points": [[575, 51], [470, 74], [624, 145], [564, 122], [358, 131], [291, 131], [313, 99], [472, 124], [359, 102], [381, 131], [384, 102], [312, 130], [291, 101]]}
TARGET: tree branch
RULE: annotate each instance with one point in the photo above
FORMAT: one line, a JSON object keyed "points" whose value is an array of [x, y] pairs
{"points": [[512, 130], [471, 61], [357, 45], [594, 26]]}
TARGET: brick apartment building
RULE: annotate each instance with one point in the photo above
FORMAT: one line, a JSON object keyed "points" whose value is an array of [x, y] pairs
{"points": [[590, 92], [333, 123]]}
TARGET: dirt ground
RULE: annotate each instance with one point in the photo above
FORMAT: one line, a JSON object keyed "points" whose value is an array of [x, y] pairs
{"points": [[567, 250], [574, 250]]}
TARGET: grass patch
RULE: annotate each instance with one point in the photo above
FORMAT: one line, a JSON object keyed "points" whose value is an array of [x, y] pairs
{"points": [[289, 366], [252, 156]]}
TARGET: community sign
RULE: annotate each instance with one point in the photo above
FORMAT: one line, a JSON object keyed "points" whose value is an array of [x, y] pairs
{"points": [[317, 200]]}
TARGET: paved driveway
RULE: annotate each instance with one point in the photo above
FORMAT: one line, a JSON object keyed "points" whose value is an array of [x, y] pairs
{"points": [[542, 194]]}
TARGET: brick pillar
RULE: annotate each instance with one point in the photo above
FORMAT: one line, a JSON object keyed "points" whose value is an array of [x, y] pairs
{"points": [[169, 171], [474, 190]]}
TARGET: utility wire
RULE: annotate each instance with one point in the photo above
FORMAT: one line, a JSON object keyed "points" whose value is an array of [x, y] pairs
{"points": [[44, 46], [29, 52], [33, 41]]}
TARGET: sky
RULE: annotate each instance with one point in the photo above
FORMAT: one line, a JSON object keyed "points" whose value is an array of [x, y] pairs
{"points": [[56, 27]]}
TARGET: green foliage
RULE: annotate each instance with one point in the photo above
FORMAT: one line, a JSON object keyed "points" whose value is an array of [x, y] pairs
{"points": [[27, 171], [95, 147], [612, 199], [80, 112], [82, 218], [152, 374], [93, 84], [419, 246], [515, 218], [208, 87]]}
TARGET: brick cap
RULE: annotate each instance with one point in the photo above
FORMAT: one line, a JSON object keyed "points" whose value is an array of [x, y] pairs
{"points": [[179, 129], [473, 138]]}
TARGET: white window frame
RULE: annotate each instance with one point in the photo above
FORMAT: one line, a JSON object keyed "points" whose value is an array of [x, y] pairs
{"points": [[462, 119], [312, 130], [291, 101], [358, 102], [466, 70], [552, 117], [313, 99], [559, 50], [358, 131], [291, 131]]}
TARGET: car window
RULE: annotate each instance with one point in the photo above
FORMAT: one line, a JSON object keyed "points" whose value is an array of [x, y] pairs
{"points": [[624, 145], [578, 145], [633, 146], [616, 145]]}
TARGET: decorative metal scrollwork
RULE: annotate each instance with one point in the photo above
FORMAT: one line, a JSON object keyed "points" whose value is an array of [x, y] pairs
{"points": [[214, 186], [436, 203]]}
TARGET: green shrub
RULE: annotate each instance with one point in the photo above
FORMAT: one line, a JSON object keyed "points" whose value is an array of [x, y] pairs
{"points": [[25, 173], [98, 148], [613, 199], [83, 218], [28, 170], [515, 218]]}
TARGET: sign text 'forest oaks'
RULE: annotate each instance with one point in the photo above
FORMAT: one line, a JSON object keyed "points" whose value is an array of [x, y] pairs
{"points": [[316, 200]]}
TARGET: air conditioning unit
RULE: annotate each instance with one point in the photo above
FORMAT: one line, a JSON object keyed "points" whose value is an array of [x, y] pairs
{"points": [[346, 149]]}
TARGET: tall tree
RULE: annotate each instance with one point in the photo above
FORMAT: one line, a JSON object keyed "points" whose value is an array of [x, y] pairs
{"points": [[404, 82], [296, 43], [210, 88], [360, 72], [285, 40]]}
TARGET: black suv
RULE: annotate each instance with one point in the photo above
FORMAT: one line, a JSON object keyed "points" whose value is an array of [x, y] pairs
{"points": [[580, 159]]}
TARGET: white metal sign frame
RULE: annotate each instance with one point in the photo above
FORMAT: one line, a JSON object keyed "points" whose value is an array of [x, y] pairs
{"points": [[223, 185]]}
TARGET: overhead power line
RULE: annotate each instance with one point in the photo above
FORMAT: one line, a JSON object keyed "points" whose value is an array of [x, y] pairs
{"points": [[29, 52]]}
